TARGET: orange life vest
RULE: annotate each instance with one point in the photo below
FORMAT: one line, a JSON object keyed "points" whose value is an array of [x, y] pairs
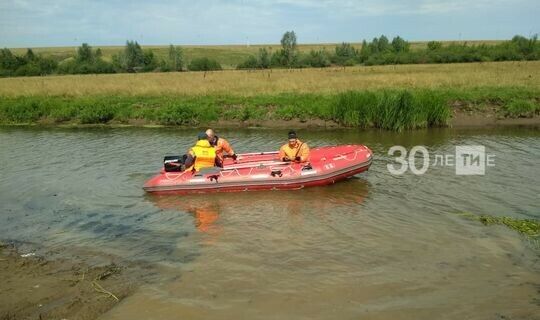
{"points": [[300, 149]]}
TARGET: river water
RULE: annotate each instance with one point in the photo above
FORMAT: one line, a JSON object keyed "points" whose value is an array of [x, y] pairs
{"points": [[378, 246]]}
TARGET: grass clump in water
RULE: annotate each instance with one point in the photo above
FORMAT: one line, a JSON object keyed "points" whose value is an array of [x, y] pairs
{"points": [[527, 227]]}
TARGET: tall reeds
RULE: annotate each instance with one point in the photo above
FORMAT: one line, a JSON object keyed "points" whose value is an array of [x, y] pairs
{"points": [[392, 110]]}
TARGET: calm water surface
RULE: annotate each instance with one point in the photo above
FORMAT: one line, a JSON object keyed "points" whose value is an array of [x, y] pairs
{"points": [[377, 246]]}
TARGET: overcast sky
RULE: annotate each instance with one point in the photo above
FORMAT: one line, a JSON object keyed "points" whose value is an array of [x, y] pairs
{"points": [[33, 23]]}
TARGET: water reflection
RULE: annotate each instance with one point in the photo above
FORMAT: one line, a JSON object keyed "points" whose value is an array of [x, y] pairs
{"points": [[207, 208], [205, 213]]}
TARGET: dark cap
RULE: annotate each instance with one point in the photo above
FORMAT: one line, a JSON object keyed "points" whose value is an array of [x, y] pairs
{"points": [[202, 136], [292, 134]]}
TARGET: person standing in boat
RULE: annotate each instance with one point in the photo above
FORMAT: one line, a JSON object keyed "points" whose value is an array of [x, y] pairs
{"points": [[295, 150], [221, 145], [201, 155]]}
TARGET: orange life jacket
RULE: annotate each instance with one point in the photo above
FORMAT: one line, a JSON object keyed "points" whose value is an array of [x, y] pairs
{"points": [[300, 149], [221, 146]]}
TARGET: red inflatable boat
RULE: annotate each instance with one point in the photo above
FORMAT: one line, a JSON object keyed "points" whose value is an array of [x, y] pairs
{"points": [[264, 171]]}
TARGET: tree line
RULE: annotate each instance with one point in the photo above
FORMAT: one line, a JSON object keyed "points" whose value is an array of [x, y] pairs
{"points": [[379, 51], [382, 51], [88, 60]]}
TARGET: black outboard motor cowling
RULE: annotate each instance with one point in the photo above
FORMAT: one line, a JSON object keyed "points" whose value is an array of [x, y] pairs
{"points": [[173, 163]]}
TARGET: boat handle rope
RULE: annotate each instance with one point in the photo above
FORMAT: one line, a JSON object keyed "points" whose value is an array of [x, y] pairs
{"points": [[178, 175], [344, 156]]}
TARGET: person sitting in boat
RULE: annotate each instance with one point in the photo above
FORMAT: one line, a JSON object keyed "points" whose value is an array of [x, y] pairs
{"points": [[201, 155], [295, 150], [221, 145]]}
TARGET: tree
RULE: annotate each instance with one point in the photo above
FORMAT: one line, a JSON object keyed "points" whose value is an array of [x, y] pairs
{"points": [[8, 61], [345, 53], [524, 45], [374, 45], [261, 61], [250, 63], [317, 59], [84, 53], [434, 45], [383, 44], [400, 45], [133, 56], [289, 49], [30, 56], [149, 62], [176, 58], [264, 58], [365, 51]]}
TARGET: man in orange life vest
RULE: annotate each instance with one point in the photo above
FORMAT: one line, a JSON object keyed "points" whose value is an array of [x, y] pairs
{"points": [[201, 155], [295, 150], [221, 145]]}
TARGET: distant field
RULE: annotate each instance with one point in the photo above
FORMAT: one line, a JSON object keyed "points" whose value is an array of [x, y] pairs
{"points": [[228, 55], [312, 80]]}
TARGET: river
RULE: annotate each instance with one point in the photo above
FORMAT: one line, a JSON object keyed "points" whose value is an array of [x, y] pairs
{"points": [[377, 246]]}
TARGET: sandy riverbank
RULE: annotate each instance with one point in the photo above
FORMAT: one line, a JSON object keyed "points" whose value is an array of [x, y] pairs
{"points": [[34, 287]]}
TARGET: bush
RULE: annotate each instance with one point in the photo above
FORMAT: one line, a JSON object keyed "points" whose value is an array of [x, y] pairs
{"points": [[262, 61], [96, 113], [434, 45], [26, 112], [204, 64], [87, 67], [250, 63], [178, 114], [344, 53], [134, 59], [378, 52], [317, 59]]}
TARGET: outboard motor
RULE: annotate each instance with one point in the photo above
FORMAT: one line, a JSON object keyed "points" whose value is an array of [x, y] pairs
{"points": [[174, 163]]}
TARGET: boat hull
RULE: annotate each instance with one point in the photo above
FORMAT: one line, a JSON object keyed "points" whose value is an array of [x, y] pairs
{"points": [[264, 171]]}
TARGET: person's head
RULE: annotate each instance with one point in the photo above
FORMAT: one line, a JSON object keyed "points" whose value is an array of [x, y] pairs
{"points": [[202, 136], [292, 138], [210, 133]]}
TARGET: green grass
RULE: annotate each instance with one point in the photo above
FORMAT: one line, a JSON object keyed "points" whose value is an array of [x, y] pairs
{"points": [[390, 109], [520, 108], [393, 110]]}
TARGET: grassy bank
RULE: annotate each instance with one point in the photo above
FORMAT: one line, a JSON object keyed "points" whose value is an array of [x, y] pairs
{"points": [[393, 109], [389, 97], [271, 82]]}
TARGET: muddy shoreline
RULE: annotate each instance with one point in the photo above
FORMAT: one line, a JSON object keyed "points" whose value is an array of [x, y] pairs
{"points": [[460, 119], [37, 287]]}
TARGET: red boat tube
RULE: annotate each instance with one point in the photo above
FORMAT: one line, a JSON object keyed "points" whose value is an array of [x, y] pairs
{"points": [[264, 171]]}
